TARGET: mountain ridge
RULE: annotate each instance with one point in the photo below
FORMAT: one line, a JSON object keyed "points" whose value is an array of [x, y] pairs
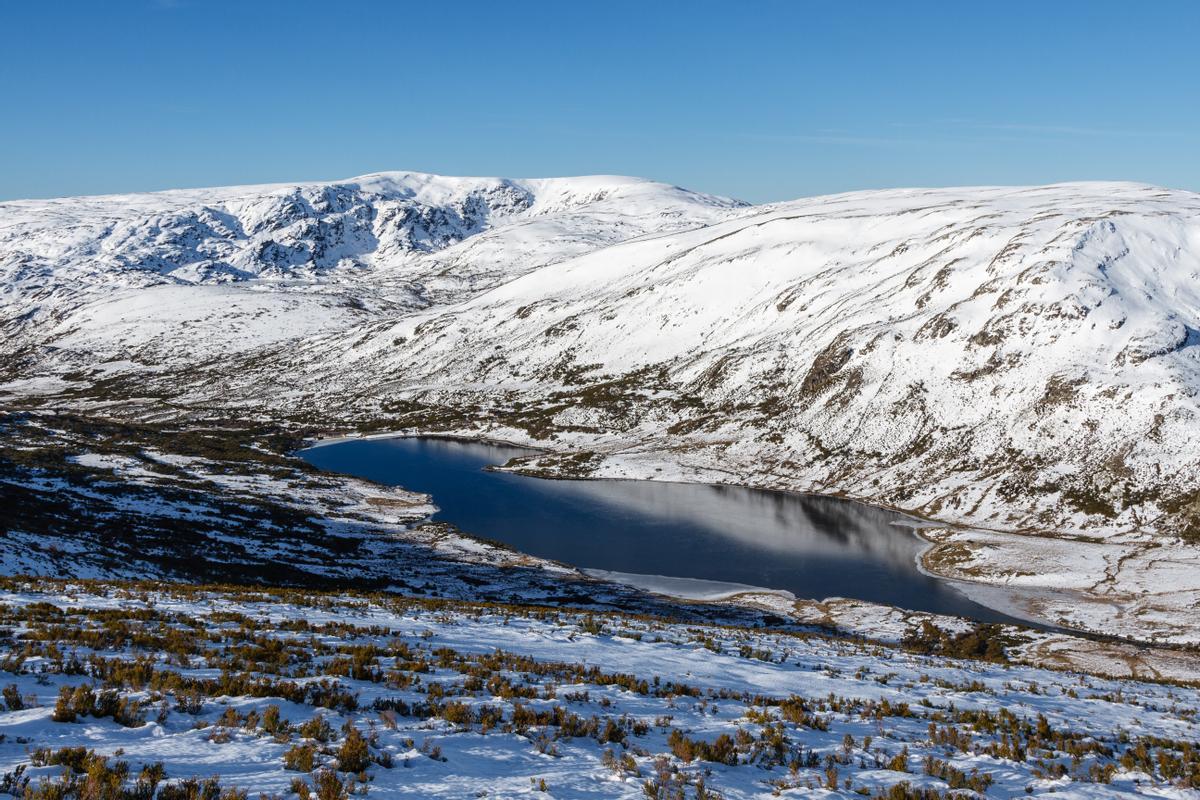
{"points": [[301, 250]]}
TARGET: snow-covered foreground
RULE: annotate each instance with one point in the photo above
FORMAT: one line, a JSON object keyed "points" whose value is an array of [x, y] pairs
{"points": [[407, 698]]}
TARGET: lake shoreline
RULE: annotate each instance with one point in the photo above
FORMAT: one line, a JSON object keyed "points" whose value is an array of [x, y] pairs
{"points": [[905, 520], [1020, 604]]}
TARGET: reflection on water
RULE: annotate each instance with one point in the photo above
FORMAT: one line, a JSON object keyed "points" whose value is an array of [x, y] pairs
{"points": [[814, 547]]}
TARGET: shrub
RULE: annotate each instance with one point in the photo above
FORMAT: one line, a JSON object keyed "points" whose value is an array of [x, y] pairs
{"points": [[189, 701], [12, 698], [271, 721], [88, 776], [985, 641], [722, 750], [76, 758], [197, 789], [456, 713], [353, 755], [64, 707], [299, 758], [317, 728], [899, 762], [82, 701], [329, 786]]}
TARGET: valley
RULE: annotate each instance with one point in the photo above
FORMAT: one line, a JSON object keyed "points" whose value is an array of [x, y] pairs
{"points": [[1015, 365], [851, 452]]}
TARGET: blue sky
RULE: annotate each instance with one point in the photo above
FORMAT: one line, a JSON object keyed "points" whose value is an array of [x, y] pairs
{"points": [[758, 100]]}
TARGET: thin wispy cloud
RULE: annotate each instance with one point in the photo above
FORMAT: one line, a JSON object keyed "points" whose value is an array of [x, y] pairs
{"points": [[1034, 129], [830, 138]]}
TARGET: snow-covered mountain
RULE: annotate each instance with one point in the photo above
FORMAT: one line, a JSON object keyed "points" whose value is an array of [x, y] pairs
{"points": [[1013, 359], [1007, 357], [1010, 357], [170, 275]]}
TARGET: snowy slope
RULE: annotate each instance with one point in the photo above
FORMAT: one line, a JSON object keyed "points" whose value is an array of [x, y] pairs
{"points": [[1012, 359], [266, 263], [1009, 359], [459, 701]]}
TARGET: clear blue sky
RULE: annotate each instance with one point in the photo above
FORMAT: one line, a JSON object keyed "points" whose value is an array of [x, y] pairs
{"points": [[759, 100]]}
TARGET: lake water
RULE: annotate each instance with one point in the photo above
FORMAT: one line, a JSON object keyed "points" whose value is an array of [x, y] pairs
{"points": [[814, 547]]}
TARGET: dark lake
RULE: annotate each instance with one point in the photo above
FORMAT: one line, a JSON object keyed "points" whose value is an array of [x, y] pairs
{"points": [[814, 547]]}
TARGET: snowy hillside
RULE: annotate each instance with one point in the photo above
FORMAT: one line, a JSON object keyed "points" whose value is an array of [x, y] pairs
{"points": [[280, 693], [1017, 360], [171, 275], [1010, 358]]}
